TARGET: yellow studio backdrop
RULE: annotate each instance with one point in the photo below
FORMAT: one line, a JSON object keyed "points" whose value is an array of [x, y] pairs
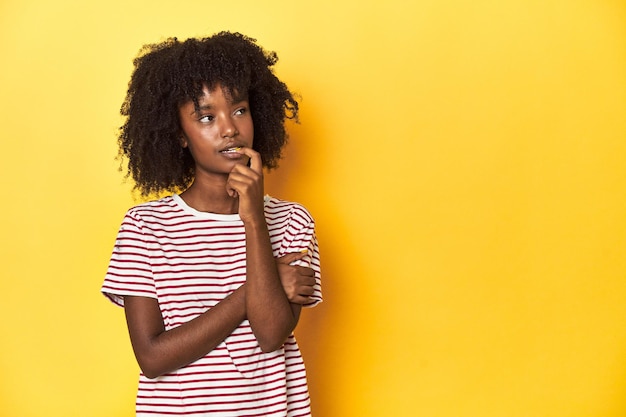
{"points": [[465, 162]]}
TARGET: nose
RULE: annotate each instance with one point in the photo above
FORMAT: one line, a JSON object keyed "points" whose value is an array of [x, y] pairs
{"points": [[228, 128]]}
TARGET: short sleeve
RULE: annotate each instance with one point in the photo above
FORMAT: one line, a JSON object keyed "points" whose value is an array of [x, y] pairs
{"points": [[300, 236], [130, 270]]}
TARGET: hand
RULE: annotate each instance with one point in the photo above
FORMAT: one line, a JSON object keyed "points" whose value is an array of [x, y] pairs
{"points": [[297, 281], [246, 184]]}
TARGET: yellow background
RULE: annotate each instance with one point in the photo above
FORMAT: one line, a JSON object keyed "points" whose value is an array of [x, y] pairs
{"points": [[465, 162]]}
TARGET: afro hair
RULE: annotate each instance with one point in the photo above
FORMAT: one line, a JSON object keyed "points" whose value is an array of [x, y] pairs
{"points": [[171, 73]]}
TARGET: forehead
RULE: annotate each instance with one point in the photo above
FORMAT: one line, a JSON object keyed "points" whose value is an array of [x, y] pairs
{"points": [[210, 94]]}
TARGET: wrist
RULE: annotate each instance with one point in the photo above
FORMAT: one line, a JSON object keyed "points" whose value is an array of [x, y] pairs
{"points": [[254, 223]]}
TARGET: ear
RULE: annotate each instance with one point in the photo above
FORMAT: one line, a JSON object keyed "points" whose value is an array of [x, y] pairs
{"points": [[183, 140]]}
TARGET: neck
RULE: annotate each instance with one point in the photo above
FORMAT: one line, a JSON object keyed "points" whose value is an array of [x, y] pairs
{"points": [[210, 197]]}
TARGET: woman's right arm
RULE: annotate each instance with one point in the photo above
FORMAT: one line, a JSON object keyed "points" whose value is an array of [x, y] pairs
{"points": [[159, 351]]}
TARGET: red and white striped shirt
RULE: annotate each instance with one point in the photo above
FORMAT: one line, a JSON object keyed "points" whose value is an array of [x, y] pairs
{"points": [[189, 261]]}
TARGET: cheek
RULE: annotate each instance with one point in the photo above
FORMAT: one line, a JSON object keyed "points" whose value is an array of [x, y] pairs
{"points": [[200, 136], [250, 130]]}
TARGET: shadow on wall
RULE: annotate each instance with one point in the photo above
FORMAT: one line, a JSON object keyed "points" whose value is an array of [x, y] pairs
{"points": [[319, 332]]}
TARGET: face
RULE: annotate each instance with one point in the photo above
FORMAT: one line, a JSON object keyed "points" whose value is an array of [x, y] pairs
{"points": [[220, 123]]}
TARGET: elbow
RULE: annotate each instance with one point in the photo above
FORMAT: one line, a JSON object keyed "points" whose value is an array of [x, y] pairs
{"points": [[149, 368], [270, 347], [270, 341], [150, 373], [271, 338], [273, 341]]}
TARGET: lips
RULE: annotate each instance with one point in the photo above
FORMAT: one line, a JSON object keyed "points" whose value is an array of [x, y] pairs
{"points": [[234, 149]]}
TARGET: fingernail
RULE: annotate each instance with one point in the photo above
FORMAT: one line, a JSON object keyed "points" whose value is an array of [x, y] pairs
{"points": [[304, 251]]}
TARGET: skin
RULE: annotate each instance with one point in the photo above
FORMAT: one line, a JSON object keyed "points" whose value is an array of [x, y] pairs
{"points": [[272, 297]]}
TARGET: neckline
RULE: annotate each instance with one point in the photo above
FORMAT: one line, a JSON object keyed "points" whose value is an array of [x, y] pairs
{"points": [[203, 214], [177, 199]]}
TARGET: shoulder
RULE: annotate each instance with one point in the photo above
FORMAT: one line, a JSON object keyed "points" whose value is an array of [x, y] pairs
{"points": [[154, 214], [276, 208], [162, 206]]}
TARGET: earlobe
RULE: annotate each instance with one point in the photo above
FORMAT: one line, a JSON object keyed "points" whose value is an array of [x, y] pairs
{"points": [[183, 140]]}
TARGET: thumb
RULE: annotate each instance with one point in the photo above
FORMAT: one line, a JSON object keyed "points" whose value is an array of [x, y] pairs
{"points": [[291, 257]]}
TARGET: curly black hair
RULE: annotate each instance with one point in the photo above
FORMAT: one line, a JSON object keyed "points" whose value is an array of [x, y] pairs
{"points": [[169, 74]]}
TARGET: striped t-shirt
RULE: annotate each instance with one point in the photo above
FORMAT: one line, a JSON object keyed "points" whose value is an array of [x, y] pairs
{"points": [[189, 261]]}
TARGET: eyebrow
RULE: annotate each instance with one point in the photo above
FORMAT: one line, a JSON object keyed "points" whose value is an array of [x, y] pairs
{"points": [[204, 107]]}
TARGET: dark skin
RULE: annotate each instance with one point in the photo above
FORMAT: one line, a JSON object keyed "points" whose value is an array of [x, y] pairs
{"points": [[226, 183]]}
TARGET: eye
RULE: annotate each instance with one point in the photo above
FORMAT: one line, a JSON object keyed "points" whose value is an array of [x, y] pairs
{"points": [[241, 111], [206, 119]]}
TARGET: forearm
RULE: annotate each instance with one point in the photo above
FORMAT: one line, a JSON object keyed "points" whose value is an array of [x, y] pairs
{"points": [[268, 309], [159, 351]]}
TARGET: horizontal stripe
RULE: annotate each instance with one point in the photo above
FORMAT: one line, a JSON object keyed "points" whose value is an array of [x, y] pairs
{"points": [[190, 261]]}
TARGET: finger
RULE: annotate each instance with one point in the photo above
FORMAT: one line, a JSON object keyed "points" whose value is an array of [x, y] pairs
{"points": [[231, 191], [242, 174], [310, 281], [291, 257], [300, 299], [306, 291], [238, 181], [256, 164], [305, 270]]}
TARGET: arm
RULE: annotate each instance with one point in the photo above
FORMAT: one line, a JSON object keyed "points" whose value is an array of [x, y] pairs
{"points": [[270, 314], [159, 351], [269, 311]]}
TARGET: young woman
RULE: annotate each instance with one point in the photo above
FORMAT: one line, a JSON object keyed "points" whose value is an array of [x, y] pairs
{"points": [[213, 276]]}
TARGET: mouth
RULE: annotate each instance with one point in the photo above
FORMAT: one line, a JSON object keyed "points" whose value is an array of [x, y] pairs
{"points": [[234, 149]]}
